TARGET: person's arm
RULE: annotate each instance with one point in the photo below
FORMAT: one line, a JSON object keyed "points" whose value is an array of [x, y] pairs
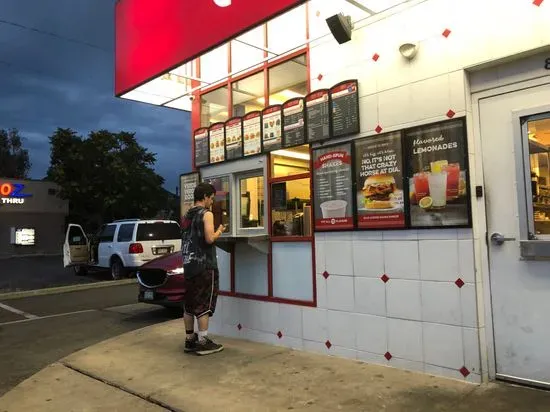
{"points": [[209, 234]]}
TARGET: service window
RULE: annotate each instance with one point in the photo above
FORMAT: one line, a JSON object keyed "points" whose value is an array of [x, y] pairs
{"points": [[222, 203], [291, 208], [126, 232], [290, 162], [107, 234], [252, 202]]}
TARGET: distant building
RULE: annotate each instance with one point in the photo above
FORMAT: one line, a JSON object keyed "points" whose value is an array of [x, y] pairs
{"points": [[32, 218]]}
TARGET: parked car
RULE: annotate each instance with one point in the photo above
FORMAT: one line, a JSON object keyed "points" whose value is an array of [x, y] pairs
{"points": [[161, 281], [122, 246]]}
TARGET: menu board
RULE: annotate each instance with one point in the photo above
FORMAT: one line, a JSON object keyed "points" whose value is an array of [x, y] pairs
{"points": [[252, 125], [318, 115], [379, 178], [294, 123], [234, 138], [333, 188], [200, 136], [438, 174], [217, 142], [188, 183], [273, 128], [345, 108]]}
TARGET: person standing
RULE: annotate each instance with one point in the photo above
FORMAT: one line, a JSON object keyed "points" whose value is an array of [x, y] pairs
{"points": [[201, 276]]}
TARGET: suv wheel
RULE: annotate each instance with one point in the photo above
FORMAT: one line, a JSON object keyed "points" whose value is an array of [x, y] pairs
{"points": [[117, 269]]}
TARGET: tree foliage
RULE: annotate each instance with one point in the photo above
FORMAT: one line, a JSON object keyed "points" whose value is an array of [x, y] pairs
{"points": [[14, 159], [106, 176]]}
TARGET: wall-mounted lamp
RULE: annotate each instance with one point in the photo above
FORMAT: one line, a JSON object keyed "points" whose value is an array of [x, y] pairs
{"points": [[408, 50], [341, 27]]}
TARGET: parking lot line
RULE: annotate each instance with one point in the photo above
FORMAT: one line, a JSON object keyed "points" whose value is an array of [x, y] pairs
{"points": [[17, 311], [57, 315]]}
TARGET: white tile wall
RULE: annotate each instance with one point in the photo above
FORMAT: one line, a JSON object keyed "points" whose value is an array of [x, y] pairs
{"points": [[404, 299], [439, 260], [370, 296], [339, 258], [341, 328], [443, 345], [441, 303], [372, 333], [405, 339], [340, 294], [368, 258], [401, 260]]}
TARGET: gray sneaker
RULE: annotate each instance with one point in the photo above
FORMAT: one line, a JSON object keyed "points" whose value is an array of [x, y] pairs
{"points": [[207, 347], [191, 344]]}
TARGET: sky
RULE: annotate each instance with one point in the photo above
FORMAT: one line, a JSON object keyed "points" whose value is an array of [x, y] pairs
{"points": [[56, 70]]}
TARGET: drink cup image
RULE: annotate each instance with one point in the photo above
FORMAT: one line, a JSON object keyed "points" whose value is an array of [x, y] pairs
{"points": [[438, 189], [334, 209]]}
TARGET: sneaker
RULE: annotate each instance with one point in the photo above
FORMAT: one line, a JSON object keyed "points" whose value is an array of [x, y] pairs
{"points": [[207, 347], [191, 344]]}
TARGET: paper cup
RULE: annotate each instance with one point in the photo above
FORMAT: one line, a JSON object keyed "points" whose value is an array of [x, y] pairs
{"points": [[334, 208]]}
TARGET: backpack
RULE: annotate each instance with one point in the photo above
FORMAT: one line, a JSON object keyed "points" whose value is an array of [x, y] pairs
{"points": [[194, 256]]}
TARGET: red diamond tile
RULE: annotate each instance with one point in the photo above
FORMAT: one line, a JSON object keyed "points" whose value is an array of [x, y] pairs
{"points": [[328, 344], [375, 57], [537, 2], [446, 33], [385, 278], [459, 282], [320, 77], [239, 326], [279, 334], [464, 371], [388, 356], [378, 129], [450, 114], [326, 274]]}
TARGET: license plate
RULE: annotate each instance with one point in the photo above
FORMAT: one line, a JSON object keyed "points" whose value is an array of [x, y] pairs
{"points": [[162, 250], [149, 295]]}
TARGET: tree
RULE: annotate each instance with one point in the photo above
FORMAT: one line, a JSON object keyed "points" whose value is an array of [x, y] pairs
{"points": [[105, 176], [14, 160]]}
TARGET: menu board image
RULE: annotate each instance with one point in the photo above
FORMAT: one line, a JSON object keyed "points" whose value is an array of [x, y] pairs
{"points": [[234, 138], [188, 183], [200, 136], [333, 188], [217, 142], [294, 123], [318, 115], [379, 178], [438, 174], [272, 128], [252, 126], [345, 108]]}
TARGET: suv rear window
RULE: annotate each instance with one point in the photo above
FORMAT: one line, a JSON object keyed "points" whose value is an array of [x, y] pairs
{"points": [[157, 231]]}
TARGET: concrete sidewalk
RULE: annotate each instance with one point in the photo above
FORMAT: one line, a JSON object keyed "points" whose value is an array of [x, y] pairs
{"points": [[146, 370]]}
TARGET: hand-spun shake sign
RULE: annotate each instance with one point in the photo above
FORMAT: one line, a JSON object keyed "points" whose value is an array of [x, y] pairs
{"points": [[13, 193]]}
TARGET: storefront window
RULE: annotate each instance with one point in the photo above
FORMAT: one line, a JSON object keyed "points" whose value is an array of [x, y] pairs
{"points": [[214, 107], [221, 206], [252, 202], [247, 50], [248, 94], [291, 208], [288, 80], [290, 162], [539, 156], [288, 31]]}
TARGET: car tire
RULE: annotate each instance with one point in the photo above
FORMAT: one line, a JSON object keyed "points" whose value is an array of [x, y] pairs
{"points": [[80, 270], [117, 269]]}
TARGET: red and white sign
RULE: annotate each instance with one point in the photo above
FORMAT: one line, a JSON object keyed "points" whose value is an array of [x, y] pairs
{"points": [[153, 36]]}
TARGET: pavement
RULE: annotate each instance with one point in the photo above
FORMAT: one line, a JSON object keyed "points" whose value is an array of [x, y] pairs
{"points": [[146, 370]]}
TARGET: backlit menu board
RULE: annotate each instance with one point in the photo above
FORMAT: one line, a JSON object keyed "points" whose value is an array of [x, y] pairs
{"points": [[200, 136], [234, 138], [318, 115], [333, 188], [188, 183], [217, 142], [345, 108], [294, 123], [379, 179], [252, 125], [272, 128], [438, 174]]}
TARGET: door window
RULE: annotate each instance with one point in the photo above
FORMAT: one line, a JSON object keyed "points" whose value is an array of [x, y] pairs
{"points": [[252, 202], [126, 233], [76, 236], [107, 234]]}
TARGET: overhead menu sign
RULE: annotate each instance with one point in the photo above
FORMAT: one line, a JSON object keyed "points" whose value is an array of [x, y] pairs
{"points": [[294, 122], [200, 136], [345, 108], [272, 128], [318, 115], [217, 142], [252, 125], [234, 138]]}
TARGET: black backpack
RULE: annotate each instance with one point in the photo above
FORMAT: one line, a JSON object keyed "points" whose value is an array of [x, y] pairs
{"points": [[194, 256]]}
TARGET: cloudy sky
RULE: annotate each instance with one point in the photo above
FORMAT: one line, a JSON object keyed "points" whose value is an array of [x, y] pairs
{"points": [[56, 70]]}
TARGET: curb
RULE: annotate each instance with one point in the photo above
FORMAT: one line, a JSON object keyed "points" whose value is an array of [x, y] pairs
{"points": [[65, 289]]}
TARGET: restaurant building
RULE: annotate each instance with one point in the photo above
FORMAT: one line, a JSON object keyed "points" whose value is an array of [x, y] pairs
{"points": [[32, 218], [384, 172]]}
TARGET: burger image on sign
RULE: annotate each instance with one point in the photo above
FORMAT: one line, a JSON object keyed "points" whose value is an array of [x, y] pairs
{"points": [[379, 192]]}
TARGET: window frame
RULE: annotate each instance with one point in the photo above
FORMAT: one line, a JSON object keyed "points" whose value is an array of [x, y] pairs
{"points": [[120, 229], [101, 237], [260, 230]]}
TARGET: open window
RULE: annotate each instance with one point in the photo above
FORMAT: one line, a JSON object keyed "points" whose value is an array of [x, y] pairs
{"points": [[251, 203], [76, 248]]}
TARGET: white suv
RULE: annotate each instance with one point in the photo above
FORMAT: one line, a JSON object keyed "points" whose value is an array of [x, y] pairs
{"points": [[122, 246]]}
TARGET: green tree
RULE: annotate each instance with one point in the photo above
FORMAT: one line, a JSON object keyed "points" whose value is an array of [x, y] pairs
{"points": [[14, 160], [105, 176]]}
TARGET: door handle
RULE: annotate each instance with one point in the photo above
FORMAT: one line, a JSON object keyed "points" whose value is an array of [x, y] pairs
{"points": [[499, 239]]}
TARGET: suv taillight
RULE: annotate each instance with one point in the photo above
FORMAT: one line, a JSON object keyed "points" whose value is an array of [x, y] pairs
{"points": [[135, 248]]}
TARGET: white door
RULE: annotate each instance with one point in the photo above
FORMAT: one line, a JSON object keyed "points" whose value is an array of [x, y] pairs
{"points": [[520, 289], [76, 247]]}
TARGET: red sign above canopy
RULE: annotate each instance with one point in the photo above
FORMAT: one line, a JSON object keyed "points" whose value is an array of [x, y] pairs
{"points": [[153, 36]]}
